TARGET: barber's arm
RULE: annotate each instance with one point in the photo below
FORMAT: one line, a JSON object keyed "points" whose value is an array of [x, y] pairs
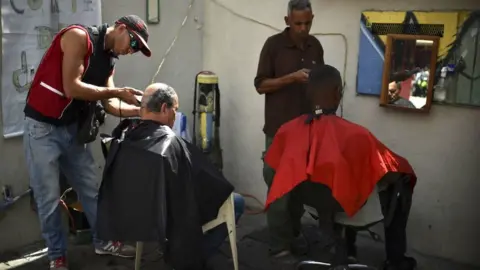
{"points": [[320, 60], [75, 47], [264, 81], [116, 107]]}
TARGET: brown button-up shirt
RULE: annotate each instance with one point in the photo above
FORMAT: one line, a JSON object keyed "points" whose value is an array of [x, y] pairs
{"points": [[279, 57]]}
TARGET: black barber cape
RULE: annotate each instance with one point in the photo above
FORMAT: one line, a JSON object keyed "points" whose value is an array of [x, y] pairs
{"points": [[158, 187]]}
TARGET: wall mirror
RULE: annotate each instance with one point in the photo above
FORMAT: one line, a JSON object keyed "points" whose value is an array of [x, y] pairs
{"points": [[153, 11], [458, 60], [409, 72]]}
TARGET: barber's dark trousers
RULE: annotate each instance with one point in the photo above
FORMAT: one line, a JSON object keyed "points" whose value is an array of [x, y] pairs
{"points": [[320, 198], [283, 216], [395, 232]]}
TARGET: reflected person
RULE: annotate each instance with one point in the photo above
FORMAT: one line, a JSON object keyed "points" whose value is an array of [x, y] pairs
{"points": [[394, 97]]}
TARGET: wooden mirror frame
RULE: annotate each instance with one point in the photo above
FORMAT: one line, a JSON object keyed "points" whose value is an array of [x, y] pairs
{"points": [[153, 11], [387, 65]]}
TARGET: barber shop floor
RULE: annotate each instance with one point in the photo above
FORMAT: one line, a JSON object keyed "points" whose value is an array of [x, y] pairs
{"points": [[252, 251]]}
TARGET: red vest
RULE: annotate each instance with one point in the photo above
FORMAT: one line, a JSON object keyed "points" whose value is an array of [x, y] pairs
{"points": [[46, 99]]}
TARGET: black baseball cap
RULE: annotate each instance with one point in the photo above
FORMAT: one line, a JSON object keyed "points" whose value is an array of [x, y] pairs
{"points": [[138, 28]]}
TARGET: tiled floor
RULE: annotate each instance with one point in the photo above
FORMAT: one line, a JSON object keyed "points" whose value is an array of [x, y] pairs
{"points": [[252, 249]]}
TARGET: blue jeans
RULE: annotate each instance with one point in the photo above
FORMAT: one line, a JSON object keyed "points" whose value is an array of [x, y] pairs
{"points": [[214, 238], [49, 149]]}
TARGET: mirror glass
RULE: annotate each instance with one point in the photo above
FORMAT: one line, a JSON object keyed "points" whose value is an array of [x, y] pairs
{"points": [[410, 62], [153, 11]]}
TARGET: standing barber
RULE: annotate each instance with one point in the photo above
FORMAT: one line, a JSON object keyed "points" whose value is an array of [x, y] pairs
{"points": [[284, 64], [76, 70]]}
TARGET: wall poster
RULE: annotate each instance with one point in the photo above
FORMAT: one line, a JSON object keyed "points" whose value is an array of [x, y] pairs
{"points": [[28, 27]]}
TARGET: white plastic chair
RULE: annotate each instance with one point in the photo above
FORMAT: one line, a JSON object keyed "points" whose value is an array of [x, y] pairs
{"points": [[226, 214], [369, 214]]}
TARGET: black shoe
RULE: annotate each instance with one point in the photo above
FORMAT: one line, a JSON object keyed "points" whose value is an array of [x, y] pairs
{"points": [[352, 254], [352, 259], [340, 267], [300, 245], [406, 264]]}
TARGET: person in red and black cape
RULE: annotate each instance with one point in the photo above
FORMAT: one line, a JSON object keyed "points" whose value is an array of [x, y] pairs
{"points": [[336, 165]]}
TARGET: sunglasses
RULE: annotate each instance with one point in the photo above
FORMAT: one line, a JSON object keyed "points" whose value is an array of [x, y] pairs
{"points": [[134, 44]]}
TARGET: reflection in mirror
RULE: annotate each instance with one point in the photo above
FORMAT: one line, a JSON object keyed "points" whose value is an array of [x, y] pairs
{"points": [[410, 61], [408, 66]]}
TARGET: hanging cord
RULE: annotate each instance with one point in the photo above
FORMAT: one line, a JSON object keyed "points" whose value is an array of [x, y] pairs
{"points": [[216, 2], [194, 112], [120, 109], [173, 41], [344, 38], [65, 206], [250, 211], [344, 71], [120, 118]]}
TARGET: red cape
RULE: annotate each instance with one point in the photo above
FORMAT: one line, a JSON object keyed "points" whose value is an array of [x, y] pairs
{"points": [[332, 151]]}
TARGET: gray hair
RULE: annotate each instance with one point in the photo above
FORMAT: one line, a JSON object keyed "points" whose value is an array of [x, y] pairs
{"points": [[164, 94], [299, 5]]}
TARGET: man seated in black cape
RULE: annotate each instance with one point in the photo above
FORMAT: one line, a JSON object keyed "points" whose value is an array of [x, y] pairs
{"points": [[158, 187]]}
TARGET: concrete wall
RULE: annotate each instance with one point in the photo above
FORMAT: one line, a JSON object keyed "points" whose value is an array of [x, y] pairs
{"points": [[20, 226], [442, 146]]}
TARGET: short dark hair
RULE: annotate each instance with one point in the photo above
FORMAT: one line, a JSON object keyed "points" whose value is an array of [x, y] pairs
{"points": [[165, 94], [325, 88], [326, 75], [398, 85], [299, 5]]}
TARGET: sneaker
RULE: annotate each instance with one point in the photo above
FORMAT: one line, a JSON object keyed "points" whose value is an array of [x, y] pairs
{"points": [[407, 263], [116, 248], [59, 264]]}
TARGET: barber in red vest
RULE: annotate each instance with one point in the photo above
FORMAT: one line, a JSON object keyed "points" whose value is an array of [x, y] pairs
{"points": [[76, 72]]}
